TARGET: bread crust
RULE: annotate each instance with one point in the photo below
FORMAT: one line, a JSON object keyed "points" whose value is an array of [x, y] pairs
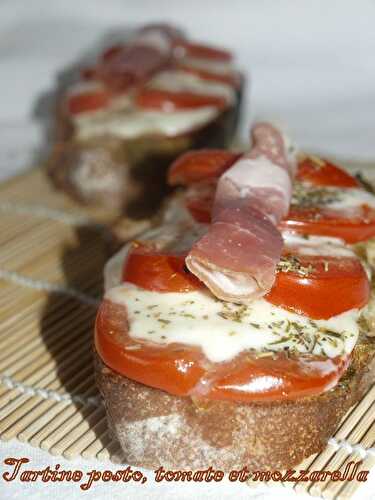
{"points": [[155, 428]]}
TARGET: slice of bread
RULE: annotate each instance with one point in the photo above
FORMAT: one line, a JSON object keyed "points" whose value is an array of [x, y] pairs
{"points": [[155, 428], [128, 175]]}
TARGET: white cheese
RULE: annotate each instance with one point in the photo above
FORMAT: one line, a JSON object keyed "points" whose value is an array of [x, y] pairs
{"points": [[223, 330], [345, 199], [317, 245], [130, 124], [352, 198], [180, 81]]}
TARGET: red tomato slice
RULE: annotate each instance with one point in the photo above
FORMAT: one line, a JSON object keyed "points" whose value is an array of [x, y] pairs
{"points": [[170, 101], [88, 101], [200, 165], [311, 293], [334, 285], [281, 377], [352, 227], [326, 222], [183, 370], [232, 79], [201, 51], [199, 201], [158, 271], [314, 221], [172, 369], [323, 173]]}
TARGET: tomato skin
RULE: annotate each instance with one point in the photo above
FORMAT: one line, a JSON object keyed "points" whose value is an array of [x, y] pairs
{"points": [[282, 376], [343, 278], [308, 171], [200, 165], [325, 222], [324, 173], [322, 294], [199, 211], [158, 271], [183, 370], [303, 221], [171, 101], [315, 221], [175, 369], [88, 101], [200, 207]]}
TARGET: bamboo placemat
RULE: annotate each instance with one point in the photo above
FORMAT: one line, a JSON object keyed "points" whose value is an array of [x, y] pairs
{"points": [[51, 260]]}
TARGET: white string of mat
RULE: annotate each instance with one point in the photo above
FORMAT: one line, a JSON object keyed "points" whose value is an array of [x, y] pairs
{"points": [[47, 213], [351, 448], [19, 279], [29, 390]]}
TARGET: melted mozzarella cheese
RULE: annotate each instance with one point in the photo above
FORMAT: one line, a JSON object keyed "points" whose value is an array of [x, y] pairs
{"points": [[132, 124], [352, 198], [180, 81], [317, 245], [222, 330], [345, 199]]}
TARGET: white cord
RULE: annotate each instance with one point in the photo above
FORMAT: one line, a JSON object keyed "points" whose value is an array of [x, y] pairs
{"points": [[29, 390], [48, 213], [351, 448], [24, 281]]}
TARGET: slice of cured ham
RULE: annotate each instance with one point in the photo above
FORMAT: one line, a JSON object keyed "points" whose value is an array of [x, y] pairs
{"points": [[134, 63], [238, 255]]}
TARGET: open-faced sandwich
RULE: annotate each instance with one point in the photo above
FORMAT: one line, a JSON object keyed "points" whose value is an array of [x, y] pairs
{"points": [[140, 105], [239, 334]]}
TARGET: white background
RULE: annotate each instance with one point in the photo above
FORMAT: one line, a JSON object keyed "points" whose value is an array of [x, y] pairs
{"points": [[311, 66]]}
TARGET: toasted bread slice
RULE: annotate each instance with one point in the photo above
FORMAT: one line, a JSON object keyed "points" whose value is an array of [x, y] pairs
{"points": [[155, 428], [128, 175]]}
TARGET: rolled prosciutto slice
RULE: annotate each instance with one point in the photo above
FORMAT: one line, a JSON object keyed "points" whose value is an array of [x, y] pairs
{"points": [[132, 64], [238, 255]]}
